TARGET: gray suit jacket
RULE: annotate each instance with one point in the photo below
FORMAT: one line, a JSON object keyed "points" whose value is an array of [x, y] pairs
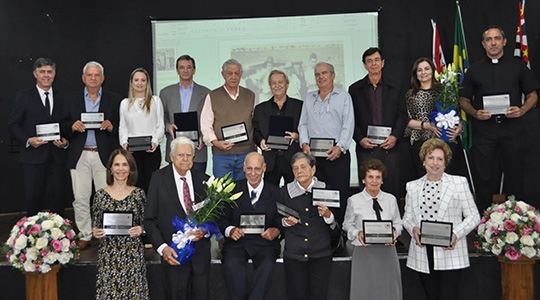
{"points": [[170, 96]]}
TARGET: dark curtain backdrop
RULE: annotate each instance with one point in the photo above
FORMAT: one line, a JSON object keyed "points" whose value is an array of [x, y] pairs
{"points": [[118, 34]]}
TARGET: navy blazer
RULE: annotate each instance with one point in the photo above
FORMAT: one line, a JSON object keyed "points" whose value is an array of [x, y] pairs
{"points": [[106, 141], [261, 117], [28, 111], [265, 205], [394, 109]]}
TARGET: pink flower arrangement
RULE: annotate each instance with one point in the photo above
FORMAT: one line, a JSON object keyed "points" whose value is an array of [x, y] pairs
{"points": [[510, 229], [38, 242]]}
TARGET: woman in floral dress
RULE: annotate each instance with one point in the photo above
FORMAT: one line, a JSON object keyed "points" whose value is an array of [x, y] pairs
{"points": [[121, 264]]}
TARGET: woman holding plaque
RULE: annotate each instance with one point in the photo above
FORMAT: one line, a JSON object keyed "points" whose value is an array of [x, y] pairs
{"points": [[141, 115], [375, 272], [420, 101], [433, 202], [121, 269], [308, 256]]}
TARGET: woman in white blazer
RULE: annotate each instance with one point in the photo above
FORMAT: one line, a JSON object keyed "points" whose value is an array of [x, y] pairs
{"points": [[440, 197]]}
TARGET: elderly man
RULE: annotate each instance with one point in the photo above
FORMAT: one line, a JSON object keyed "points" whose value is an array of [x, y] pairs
{"points": [[243, 242], [170, 194], [277, 161], [91, 143], [181, 97], [226, 122], [327, 113], [497, 136], [43, 161], [379, 102]]}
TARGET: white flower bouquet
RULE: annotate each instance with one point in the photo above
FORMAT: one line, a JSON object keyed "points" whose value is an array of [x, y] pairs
{"points": [[38, 242]]}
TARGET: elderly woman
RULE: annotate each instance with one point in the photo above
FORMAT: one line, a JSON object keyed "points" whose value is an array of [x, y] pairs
{"points": [[308, 255], [141, 114], [121, 269], [375, 272], [439, 197]]}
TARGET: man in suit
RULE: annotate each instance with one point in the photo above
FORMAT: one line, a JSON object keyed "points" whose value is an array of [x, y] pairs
{"points": [[170, 193], [379, 101], [278, 162], [43, 162], [181, 97], [258, 199], [89, 149]]}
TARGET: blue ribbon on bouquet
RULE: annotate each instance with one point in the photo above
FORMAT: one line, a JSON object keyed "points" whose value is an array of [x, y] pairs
{"points": [[444, 119], [182, 243]]}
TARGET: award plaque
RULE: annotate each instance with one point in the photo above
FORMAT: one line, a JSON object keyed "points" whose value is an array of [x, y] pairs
{"points": [[496, 104], [235, 133], [117, 223], [328, 198], [48, 132], [378, 232], [187, 125], [139, 143], [288, 212], [277, 125], [436, 233], [92, 120], [252, 223], [377, 134], [318, 146]]}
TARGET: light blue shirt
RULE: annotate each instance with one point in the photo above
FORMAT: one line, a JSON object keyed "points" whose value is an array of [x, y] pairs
{"points": [[91, 107], [185, 96], [331, 118]]}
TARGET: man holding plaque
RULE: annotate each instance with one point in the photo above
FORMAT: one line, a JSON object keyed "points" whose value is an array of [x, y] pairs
{"points": [[251, 233], [43, 160], [275, 123], [380, 118], [172, 192], [493, 84], [326, 129], [226, 122], [439, 213], [180, 98], [93, 128]]}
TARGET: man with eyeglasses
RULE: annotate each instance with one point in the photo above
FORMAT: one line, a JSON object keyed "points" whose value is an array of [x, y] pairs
{"points": [[498, 136], [381, 118], [172, 192]]}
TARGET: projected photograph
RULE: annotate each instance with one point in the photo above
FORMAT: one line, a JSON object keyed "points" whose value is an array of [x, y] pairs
{"points": [[297, 61], [165, 59]]}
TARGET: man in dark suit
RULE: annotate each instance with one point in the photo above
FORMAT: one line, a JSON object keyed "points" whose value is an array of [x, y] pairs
{"points": [[89, 149], [258, 199], [43, 162], [379, 101], [278, 162], [170, 193], [181, 97]]}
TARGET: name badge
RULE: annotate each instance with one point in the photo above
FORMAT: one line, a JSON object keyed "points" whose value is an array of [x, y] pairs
{"points": [[318, 146], [252, 224], [328, 198], [92, 120], [378, 232], [377, 134], [48, 132], [235, 133], [117, 223]]}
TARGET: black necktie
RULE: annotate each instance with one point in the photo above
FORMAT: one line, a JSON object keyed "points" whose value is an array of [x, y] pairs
{"points": [[47, 103], [377, 208], [253, 197]]}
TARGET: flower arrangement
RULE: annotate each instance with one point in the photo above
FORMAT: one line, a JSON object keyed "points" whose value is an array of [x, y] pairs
{"points": [[445, 116], [218, 192], [38, 242], [510, 229]]}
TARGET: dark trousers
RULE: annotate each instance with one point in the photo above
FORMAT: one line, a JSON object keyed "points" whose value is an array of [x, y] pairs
{"points": [[44, 185], [337, 175], [307, 280], [235, 272], [282, 168], [391, 159], [186, 282], [440, 285], [147, 163]]}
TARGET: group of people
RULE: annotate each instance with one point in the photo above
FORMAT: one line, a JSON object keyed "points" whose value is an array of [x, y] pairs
{"points": [[95, 127]]}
